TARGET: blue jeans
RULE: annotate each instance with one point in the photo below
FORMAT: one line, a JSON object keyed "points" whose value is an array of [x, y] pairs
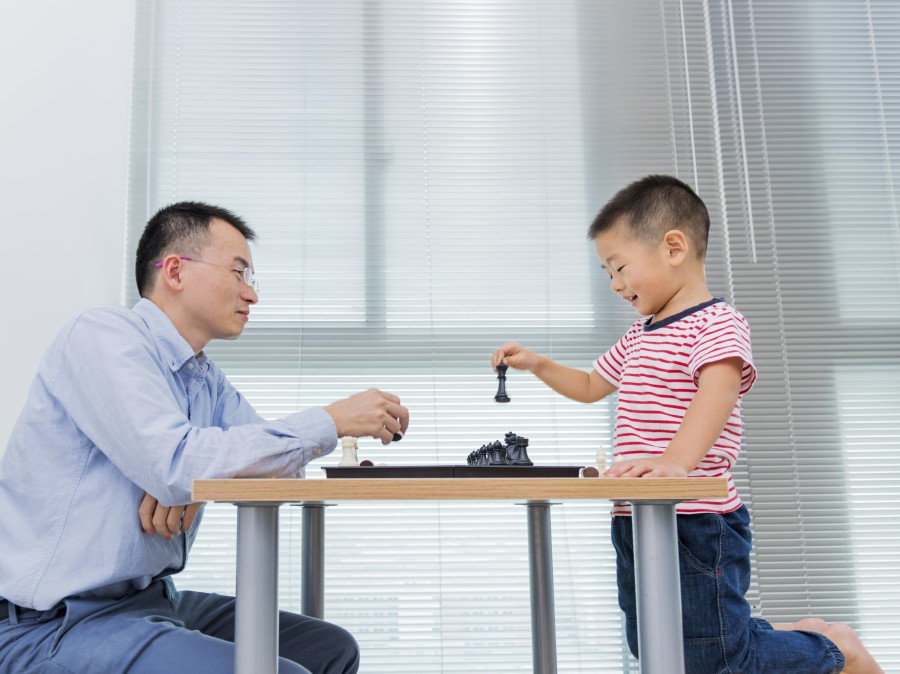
{"points": [[160, 630], [720, 635]]}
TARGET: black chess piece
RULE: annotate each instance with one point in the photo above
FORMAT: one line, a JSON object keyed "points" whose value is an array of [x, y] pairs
{"points": [[501, 396], [516, 450], [498, 454]]}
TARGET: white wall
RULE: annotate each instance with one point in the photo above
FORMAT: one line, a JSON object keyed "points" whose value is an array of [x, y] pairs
{"points": [[65, 95]]}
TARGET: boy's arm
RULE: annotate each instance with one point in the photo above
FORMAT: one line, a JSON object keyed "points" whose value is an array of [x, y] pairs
{"points": [[719, 385], [575, 384]]}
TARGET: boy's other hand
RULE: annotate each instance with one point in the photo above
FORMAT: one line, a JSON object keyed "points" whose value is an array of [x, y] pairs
{"points": [[656, 467], [515, 355]]}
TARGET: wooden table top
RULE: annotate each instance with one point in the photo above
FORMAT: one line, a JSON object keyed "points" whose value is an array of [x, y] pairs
{"points": [[279, 490]]}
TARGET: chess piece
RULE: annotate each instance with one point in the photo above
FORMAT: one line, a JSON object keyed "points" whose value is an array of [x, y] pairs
{"points": [[601, 458], [498, 454], [501, 396], [516, 451], [348, 459]]}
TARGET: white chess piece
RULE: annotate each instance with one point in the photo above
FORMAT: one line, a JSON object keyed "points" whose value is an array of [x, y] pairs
{"points": [[348, 447], [601, 458]]}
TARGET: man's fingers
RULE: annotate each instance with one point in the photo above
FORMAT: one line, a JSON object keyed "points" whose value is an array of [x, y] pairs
{"points": [[165, 520], [160, 516], [389, 396], [146, 510], [190, 514], [173, 519]]}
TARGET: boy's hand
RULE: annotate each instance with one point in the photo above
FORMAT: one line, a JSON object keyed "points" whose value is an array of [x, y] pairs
{"points": [[658, 466], [515, 355]]}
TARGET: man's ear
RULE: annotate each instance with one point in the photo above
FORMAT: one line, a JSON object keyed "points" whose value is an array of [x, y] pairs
{"points": [[170, 273], [677, 246]]}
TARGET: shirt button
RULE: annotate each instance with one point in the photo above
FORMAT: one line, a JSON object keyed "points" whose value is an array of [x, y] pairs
{"points": [[318, 452], [190, 366]]}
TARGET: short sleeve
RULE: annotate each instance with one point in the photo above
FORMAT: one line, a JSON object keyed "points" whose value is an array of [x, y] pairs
{"points": [[725, 335], [611, 364]]}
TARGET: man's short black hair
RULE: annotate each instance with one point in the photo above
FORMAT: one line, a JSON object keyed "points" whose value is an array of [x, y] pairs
{"points": [[653, 205], [181, 228]]}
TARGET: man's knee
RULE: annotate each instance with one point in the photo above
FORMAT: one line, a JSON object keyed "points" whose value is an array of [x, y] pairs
{"points": [[344, 650], [321, 647]]}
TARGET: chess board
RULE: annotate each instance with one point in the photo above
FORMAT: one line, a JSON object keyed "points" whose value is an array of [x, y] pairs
{"points": [[367, 472]]}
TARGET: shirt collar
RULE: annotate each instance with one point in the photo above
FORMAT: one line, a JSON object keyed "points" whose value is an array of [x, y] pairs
{"points": [[169, 341], [648, 326]]}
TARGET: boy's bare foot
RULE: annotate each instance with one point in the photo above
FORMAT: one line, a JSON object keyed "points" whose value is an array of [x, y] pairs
{"points": [[858, 659]]}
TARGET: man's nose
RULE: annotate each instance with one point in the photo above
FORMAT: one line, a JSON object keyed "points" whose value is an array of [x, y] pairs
{"points": [[248, 294]]}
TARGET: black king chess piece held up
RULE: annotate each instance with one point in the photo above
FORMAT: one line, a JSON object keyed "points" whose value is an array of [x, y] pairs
{"points": [[501, 396]]}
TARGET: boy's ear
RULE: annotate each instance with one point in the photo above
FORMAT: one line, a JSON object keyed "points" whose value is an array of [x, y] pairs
{"points": [[676, 245]]}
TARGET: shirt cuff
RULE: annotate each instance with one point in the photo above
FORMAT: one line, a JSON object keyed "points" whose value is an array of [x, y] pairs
{"points": [[316, 429]]}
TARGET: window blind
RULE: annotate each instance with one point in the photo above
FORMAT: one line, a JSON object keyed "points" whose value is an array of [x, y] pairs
{"points": [[422, 175]]}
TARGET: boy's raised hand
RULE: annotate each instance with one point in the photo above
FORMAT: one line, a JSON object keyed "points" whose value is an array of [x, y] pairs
{"points": [[515, 355]]}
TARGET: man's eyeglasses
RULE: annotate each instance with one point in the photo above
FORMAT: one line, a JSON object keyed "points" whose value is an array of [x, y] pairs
{"points": [[246, 273]]}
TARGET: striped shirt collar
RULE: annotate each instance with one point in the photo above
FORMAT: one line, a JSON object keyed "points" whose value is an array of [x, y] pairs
{"points": [[648, 327]]}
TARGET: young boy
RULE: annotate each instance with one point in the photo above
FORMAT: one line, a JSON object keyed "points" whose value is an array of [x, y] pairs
{"points": [[680, 375]]}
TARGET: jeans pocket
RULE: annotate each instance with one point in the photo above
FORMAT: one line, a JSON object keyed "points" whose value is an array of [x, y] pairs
{"points": [[691, 564]]}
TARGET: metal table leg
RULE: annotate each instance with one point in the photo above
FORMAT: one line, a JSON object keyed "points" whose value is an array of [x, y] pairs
{"points": [[540, 565], [312, 575], [256, 610], [658, 588]]}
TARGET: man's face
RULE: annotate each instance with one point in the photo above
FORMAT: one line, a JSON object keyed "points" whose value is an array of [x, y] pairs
{"points": [[216, 299]]}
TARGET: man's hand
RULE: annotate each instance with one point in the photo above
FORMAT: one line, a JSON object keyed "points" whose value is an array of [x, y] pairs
{"points": [[167, 521], [371, 413], [658, 466]]}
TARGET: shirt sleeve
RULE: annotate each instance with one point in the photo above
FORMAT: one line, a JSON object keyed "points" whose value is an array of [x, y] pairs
{"points": [[726, 335], [118, 393], [612, 363]]}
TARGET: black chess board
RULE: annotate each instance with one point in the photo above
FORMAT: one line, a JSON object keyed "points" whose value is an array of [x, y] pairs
{"points": [[366, 472]]}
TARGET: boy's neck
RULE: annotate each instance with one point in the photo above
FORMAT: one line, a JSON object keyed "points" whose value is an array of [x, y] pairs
{"points": [[685, 298]]}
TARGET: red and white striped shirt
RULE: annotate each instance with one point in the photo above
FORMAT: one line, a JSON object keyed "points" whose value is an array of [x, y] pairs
{"points": [[656, 368]]}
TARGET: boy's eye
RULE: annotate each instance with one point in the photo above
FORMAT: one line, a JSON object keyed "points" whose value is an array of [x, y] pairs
{"points": [[620, 269]]}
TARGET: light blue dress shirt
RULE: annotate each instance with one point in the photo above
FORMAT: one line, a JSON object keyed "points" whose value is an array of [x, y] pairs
{"points": [[121, 406]]}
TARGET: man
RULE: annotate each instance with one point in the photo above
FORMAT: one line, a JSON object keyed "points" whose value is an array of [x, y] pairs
{"points": [[125, 412]]}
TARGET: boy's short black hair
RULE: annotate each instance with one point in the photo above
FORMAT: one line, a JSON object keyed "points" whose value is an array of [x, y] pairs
{"points": [[181, 228], [653, 205]]}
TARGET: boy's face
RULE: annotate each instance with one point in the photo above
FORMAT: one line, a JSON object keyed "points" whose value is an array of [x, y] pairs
{"points": [[639, 273]]}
